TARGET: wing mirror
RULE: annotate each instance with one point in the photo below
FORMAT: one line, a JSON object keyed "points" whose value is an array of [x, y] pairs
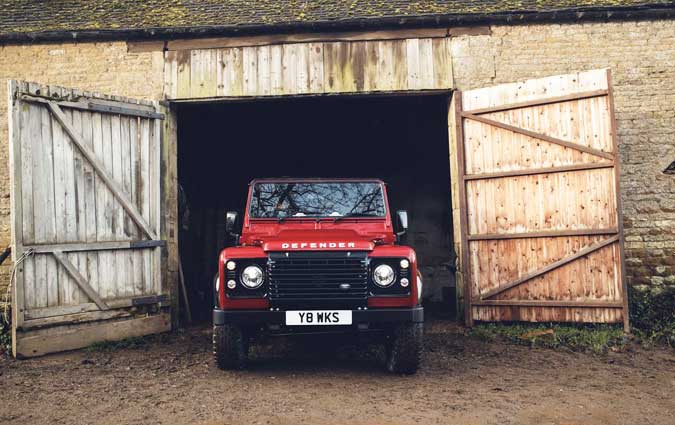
{"points": [[230, 223], [402, 223]]}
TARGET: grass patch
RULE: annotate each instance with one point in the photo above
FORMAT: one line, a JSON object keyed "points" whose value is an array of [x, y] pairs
{"points": [[129, 343], [585, 338], [5, 335], [652, 315]]}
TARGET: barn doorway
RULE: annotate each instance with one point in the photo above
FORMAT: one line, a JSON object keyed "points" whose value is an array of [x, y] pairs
{"points": [[402, 140]]}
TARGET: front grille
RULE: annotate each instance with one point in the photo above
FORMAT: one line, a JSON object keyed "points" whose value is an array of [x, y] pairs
{"points": [[318, 279]]}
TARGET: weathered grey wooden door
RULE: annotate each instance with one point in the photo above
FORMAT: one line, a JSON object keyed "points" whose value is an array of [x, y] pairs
{"points": [[85, 208]]}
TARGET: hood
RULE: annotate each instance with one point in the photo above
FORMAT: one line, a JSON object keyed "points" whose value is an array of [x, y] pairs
{"points": [[319, 240]]}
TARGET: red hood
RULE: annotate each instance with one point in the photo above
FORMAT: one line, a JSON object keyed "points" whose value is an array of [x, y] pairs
{"points": [[323, 240], [345, 235]]}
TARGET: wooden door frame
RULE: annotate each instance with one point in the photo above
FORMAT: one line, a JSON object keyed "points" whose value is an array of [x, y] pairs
{"points": [[169, 204], [169, 155]]}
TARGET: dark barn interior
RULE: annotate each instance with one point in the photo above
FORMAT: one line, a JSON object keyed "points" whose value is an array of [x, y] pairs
{"points": [[401, 139]]}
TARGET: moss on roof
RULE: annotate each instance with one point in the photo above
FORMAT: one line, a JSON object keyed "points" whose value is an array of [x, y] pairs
{"points": [[43, 16]]}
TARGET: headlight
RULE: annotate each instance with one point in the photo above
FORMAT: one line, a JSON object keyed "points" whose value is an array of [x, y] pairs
{"points": [[383, 275], [252, 277]]}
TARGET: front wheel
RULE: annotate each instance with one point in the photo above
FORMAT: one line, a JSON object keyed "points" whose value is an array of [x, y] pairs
{"points": [[230, 347], [404, 352]]}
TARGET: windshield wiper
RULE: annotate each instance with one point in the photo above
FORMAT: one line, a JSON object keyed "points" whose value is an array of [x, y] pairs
{"points": [[353, 215]]}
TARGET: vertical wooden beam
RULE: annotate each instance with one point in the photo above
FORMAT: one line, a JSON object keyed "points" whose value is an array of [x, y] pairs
{"points": [[16, 206], [169, 209], [619, 207], [155, 196], [463, 213]]}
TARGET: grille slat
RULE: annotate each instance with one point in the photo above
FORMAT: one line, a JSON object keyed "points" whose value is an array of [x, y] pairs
{"points": [[305, 278], [308, 289]]}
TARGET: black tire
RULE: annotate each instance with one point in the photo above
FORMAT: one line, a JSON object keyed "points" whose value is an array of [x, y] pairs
{"points": [[230, 347], [404, 353]]}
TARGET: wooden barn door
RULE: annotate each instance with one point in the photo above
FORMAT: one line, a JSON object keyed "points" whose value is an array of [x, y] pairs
{"points": [[85, 218], [541, 230]]}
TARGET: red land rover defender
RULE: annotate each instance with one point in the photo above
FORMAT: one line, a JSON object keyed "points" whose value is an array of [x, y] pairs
{"points": [[314, 254]]}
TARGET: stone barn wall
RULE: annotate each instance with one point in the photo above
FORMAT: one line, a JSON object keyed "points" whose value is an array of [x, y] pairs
{"points": [[640, 54]]}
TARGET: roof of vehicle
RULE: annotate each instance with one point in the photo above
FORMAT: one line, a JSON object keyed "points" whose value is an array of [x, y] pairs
{"points": [[29, 21], [315, 180]]}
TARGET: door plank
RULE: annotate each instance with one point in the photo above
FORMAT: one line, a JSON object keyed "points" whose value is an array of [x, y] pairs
{"points": [[16, 201], [154, 193], [144, 191], [104, 200], [71, 337], [103, 106], [539, 102], [94, 246]]}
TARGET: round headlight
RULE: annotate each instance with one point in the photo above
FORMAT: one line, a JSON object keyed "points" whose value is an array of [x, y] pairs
{"points": [[383, 275], [231, 265], [405, 263], [252, 277]]}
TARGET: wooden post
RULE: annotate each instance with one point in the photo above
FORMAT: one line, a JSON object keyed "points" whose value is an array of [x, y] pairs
{"points": [[463, 223], [15, 197], [169, 207], [619, 205]]}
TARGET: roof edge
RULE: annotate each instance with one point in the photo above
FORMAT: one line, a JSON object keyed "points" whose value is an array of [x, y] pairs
{"points": [[643, 12]]}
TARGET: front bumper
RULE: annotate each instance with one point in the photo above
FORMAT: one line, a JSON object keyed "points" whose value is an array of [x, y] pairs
{"points": [[379, 315]]}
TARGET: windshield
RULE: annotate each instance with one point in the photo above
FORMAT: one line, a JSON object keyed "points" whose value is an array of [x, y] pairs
{"points": [[321, 199]]}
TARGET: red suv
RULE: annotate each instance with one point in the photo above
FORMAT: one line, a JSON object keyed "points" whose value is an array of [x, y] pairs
{"points": [[314, 254]]}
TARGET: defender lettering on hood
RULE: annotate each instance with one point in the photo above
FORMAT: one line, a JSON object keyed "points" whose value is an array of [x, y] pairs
{"points": [[333, 245], [317, 245]]}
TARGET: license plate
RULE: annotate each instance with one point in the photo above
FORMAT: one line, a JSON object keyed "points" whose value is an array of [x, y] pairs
{"points": [[319, 317]]}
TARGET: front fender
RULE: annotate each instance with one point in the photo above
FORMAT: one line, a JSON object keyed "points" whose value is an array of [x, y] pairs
{"points": [[401, 251]]}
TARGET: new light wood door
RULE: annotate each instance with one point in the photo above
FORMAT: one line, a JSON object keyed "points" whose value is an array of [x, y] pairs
{"points": [[85, 218], [537, 168]]}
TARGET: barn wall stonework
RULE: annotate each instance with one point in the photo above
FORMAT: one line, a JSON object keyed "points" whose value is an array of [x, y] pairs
{"points": [[640, 54]]}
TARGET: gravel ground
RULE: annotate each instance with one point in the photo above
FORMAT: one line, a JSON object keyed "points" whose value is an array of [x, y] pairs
{"points": [[172, 379]]}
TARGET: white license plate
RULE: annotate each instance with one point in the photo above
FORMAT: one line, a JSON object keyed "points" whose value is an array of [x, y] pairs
{"points": [[319, 317]]}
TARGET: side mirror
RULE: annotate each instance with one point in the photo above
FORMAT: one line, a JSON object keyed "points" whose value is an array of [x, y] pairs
{"points": [[230, 222], [402, 222]]}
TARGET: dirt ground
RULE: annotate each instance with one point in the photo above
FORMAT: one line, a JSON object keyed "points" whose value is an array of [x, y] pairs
{"points": [[172, 379]]}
